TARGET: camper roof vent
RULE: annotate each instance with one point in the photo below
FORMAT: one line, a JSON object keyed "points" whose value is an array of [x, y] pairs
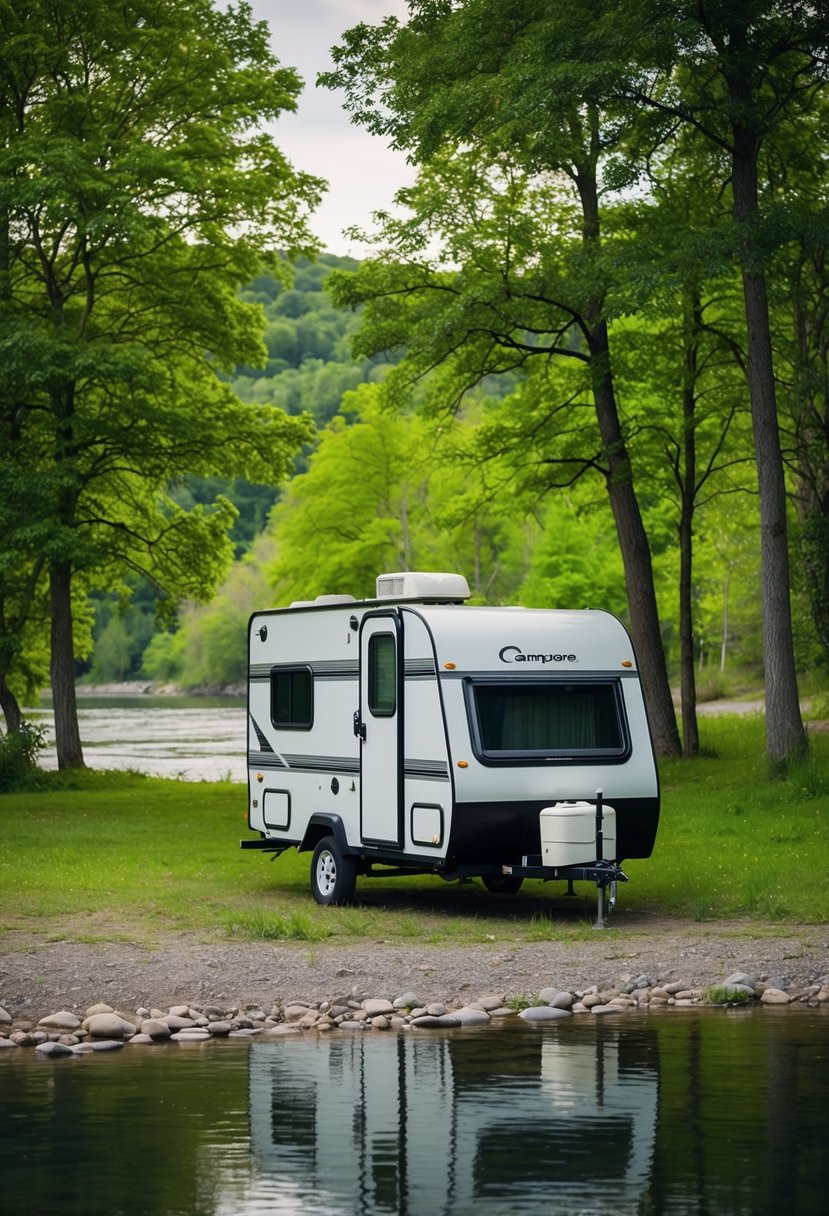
{"points": [[334, 599], [418, 585]]}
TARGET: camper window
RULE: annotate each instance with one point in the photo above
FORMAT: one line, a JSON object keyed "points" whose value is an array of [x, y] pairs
{"points": [[292, 697], [382, 675], [513, 723]]}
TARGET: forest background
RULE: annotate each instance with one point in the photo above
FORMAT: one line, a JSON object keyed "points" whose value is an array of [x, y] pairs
{"points": [[545, 375]]}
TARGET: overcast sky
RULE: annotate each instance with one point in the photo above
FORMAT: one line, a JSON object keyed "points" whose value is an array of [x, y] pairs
{"points": [[362, 173]]}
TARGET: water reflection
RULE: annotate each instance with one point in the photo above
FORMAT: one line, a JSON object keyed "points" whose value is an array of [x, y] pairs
{"points": [[721, 1113], [414, 1124]]}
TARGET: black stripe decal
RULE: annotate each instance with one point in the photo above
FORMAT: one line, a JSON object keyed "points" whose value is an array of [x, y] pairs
{"points": [[261, 738]]}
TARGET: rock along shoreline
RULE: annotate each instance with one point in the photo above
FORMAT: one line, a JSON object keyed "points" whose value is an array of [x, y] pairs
{"points": [[104, 1028]]}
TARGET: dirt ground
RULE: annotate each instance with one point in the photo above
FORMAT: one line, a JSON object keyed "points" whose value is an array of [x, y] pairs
{"points": [[39, 977]]}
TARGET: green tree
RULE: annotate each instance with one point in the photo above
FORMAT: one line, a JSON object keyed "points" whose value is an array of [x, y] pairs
{"points": [[736, 72], [515, 82], [138, 193], [386, 490]]}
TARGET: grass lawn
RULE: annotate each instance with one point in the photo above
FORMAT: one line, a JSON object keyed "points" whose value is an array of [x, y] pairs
{"points": [[109, 856]]}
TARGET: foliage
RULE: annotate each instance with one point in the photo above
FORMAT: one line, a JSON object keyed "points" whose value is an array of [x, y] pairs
{"points": [[138, 192], [19, 752], [726, 994]]}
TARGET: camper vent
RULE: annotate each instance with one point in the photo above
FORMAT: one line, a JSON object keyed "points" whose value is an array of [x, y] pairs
{"points": [[322, 600], [418, 585]]}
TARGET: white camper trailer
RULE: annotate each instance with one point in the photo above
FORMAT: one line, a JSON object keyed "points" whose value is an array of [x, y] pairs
{"points": [[414, 733]]}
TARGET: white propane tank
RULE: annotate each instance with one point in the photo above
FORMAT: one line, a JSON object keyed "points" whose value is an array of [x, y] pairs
{"points": [[568, 834]]}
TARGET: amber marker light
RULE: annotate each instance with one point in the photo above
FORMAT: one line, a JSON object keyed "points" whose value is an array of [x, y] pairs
{"points": [[450, 666], [626, 663], [463, 764], [260, 776]]}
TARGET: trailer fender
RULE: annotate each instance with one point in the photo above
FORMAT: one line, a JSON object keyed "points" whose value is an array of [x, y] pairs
{"points": [[324, 825]]}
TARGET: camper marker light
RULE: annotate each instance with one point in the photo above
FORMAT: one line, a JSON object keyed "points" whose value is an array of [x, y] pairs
{"points": [[260, 776], [463, 764], [450, 666], [626, 663]]}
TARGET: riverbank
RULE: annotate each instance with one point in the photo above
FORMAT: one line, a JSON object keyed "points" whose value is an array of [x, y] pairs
{"points": [[59, 996], [38, 977]]}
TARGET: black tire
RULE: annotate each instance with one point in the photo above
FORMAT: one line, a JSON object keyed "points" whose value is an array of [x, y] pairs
{"points": [[333, 874], [502, 884]]}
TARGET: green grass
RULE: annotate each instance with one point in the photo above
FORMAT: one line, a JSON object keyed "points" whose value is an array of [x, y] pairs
{"points": [[116, 856]]}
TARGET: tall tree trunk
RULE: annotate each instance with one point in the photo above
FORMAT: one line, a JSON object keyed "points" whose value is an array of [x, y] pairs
{"points": [[636, 554], [785, 734], [9, 706], [67, 733], [688, 488], [630, 528]]}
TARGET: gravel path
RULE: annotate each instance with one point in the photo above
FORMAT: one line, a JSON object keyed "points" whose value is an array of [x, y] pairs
{"points": [[38, 978]]}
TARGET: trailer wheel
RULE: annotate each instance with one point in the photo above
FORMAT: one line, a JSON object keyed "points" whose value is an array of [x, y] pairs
{"points": [[502, 884], [333, 874]]}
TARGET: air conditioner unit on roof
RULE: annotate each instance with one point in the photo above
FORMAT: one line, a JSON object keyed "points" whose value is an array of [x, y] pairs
{"points": [[422, 585]]}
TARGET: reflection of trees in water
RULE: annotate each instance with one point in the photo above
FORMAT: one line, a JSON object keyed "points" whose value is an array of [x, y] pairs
{"points": [[433, 1124], [716, 1112]]}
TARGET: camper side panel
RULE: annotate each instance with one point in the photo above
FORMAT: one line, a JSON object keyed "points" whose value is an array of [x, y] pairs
{"points": [[428, 782], [302, 753]]}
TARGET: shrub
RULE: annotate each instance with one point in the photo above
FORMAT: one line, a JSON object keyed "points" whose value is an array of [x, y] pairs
{"points": [[18, 756]]}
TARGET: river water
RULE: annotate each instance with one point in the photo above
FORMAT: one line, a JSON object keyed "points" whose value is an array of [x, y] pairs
{"points": [[194, 738], [717, 1112]]}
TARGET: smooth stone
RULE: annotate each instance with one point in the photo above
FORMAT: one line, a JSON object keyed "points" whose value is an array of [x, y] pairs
{"points": [[434, 1021], [470, 1016], [378, 1008], [143, 1039], [543, 1013], [105, 1045], [561, 1000], [739, 979], [407, 1000], [100, 1008], [5, 1017], [220, 1028], [190, 1035], [106, 1026], [177, 1021], [436, 1009], [488, 1003], [155, 1028], [775, 996], [53, 1049], [7, 1043], [63, 1020], [294, 1013], [599, 1009], [380, 1022]]}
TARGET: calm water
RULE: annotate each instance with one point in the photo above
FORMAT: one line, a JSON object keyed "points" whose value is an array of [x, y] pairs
{"points": [[721, 1112], [196, 738]]}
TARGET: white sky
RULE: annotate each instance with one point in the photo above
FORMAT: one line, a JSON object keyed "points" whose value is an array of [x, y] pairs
{"points": [[362, 173]]}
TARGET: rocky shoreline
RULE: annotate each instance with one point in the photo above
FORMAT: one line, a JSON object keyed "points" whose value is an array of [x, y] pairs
{"points": [[103, 1028]]}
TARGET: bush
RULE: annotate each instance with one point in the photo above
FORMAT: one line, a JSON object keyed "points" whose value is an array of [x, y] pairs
{"points": [[18, 756]]}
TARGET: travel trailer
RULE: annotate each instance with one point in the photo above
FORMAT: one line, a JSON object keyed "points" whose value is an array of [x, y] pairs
{"points": [[414, 733]]}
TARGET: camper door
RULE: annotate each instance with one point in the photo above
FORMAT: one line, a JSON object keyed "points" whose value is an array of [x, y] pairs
{"points": [[380, 729]]}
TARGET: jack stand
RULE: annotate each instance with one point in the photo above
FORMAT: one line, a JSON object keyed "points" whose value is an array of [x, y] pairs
{"points": [[571, 890], [600, 909]]}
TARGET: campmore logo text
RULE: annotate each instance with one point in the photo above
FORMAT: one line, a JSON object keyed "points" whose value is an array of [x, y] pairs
{"points": [[514, 654]]}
